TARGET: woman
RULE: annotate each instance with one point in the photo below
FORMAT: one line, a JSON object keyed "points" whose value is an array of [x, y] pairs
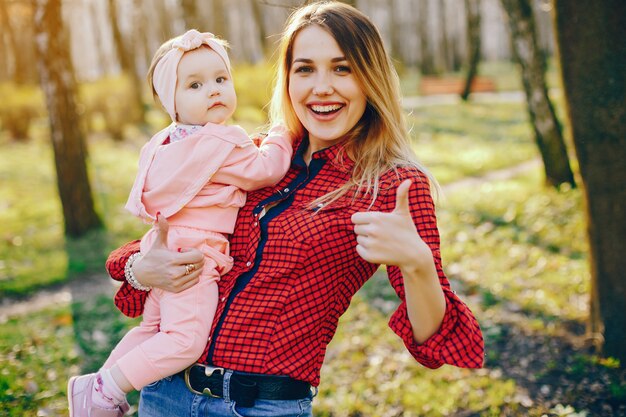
{"points": [[353, 198]]}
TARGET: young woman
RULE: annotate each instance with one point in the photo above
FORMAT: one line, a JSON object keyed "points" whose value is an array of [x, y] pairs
{"points": [[353, 198]]}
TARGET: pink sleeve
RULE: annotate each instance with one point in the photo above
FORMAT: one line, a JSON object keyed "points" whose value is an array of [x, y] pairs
{"points": [[251, 168]]}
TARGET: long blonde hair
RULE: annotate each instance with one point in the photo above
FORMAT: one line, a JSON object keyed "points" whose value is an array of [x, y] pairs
{"points": [[380, 141]]}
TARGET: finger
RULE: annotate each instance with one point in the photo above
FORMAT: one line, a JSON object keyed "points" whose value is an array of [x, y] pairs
{"points": [[402, 198], [162, 229], [363, 230], [363, 217], [190, 256], [363, 241]]}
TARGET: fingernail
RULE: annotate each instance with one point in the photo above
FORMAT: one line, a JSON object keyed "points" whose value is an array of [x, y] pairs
{"points": [[180, 249]]}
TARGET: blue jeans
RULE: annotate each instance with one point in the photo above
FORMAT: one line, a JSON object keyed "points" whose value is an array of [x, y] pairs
{"points": [[170, 397]]}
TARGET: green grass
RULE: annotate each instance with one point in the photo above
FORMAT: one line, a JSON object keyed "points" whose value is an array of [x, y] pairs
{"points": [[470, 139]]}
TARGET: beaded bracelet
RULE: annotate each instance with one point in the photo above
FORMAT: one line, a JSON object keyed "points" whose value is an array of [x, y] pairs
{"points": [[130, 276]]}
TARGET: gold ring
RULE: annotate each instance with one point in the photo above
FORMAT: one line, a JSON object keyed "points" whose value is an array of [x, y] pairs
{"points": [[189, 268]]}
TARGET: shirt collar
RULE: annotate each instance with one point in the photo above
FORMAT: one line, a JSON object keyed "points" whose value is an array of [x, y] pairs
{"points": [[336, 154]]}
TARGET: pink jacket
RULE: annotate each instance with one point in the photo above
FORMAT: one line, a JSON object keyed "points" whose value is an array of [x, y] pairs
{"points": [[200, 181]]}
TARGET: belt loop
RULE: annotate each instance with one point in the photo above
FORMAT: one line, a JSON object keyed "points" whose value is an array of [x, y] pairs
{"points": [[226, 387]]}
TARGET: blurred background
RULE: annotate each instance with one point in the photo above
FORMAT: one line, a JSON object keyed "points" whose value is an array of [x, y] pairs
{"points": [[498, 96]]}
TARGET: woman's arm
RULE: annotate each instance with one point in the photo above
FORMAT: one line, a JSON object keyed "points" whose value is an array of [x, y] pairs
{"points": [[159, 267], [436, 326], [391, 239]]}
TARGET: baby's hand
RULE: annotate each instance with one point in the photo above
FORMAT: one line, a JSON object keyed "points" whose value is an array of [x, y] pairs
{"points": [[257, 138]]}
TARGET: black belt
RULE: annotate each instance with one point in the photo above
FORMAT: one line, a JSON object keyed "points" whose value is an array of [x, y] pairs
{"points": [[244, 388]]}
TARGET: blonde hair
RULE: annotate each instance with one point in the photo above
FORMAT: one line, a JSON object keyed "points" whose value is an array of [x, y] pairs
{"points": [[160, 53], [380, 141]]}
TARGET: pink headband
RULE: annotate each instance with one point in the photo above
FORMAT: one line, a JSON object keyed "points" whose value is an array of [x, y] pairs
{"points": [[164, 77]]}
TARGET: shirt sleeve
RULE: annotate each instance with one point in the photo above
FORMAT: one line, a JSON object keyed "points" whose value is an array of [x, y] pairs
{"points": [[128, 300], [251, 167], [458, 341]]}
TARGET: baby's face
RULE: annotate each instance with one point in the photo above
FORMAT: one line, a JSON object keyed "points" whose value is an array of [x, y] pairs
{"points": [[204, 91]]}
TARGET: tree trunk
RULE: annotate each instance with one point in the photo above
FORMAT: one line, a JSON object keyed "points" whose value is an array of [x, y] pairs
{"points": [[20, 64], [257, 12], [59, 85], [472, 11], [427, 65], [593, 58], [127, 63], [548, 133], [190, 15], [219, 19]]}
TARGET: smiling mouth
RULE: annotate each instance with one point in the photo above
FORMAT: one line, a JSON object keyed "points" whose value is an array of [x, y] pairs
{"points": [[325, 109]]}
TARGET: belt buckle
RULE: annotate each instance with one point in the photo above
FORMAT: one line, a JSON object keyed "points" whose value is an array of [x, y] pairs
{"points": [[208, 371]]}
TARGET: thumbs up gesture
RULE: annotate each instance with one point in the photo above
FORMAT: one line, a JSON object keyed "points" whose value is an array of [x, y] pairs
{"points": [[163, 268], [391, 238]]}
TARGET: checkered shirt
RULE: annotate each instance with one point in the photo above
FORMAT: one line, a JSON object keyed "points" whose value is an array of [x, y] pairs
{"points": [[296, 270]]}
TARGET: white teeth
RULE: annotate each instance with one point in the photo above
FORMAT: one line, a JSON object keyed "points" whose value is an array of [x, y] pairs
{"points": [[325, 109]]}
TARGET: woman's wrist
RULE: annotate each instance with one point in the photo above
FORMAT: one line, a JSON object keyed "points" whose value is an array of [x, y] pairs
{"points": [[130, 276]]}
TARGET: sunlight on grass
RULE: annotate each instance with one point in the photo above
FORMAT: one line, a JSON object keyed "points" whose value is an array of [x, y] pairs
{"points": [[456, 141]]}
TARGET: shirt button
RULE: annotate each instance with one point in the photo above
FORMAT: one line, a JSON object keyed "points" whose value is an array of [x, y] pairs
{"points": [[256, 224], [223, 299], [209, 338], [248, 263], [286, 190]]}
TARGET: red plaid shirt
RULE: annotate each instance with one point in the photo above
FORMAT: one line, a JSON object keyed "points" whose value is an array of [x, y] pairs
{"points": [[296, 270]]}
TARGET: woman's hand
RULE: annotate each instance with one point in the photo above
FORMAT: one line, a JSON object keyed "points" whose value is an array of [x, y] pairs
{"points": [[166, 269], [392, 238]]}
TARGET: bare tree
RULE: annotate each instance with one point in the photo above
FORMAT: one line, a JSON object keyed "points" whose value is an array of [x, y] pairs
{"points": [[427, 66], [59, 85], [219, 19], [593, 58], [190, 14], [127, 62], [19, 63], [548, 133], [472, 10]]}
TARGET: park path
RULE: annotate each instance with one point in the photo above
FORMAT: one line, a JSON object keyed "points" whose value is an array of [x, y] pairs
{"points": [[90, 285]]}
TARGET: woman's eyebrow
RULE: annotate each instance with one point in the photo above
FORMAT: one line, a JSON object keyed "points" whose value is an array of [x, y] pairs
{"points": [[310, 61]]}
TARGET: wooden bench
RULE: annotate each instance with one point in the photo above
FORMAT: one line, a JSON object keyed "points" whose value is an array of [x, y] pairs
{"points": [[448, 85]]}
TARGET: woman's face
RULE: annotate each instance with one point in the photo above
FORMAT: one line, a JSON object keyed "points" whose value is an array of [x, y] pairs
{"points": [[323, 91]]}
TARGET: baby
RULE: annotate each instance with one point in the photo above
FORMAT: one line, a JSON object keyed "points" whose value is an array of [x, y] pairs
{"points": [[194, 173]]}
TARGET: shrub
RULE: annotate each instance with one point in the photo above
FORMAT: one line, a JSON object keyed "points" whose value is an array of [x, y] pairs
{"points": [[20, 105]]}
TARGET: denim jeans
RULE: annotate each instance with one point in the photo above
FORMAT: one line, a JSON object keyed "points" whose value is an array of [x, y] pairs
{"points": [[170, 397]]}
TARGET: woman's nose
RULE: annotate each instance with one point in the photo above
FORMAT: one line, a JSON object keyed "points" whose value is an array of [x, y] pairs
{"points": [[323, 85]]}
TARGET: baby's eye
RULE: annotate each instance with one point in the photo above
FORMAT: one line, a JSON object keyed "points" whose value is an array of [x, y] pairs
{"points": [[195, 85], [220, 80]]}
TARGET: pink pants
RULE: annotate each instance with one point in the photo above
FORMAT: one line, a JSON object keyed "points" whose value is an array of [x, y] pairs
{"points": [[175, 327]]}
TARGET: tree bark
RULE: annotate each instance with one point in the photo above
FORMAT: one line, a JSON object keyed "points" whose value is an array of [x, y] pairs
{"points": [[427, 65], [127, 63], [593, 57], [59, 85], [219, 19], [257, 12], [20, 65], [190, 15], [472, 11], [548, 133]]}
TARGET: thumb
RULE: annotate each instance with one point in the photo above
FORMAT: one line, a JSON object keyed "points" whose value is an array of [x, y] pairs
{"points": [[402, 198], [162, 227]]}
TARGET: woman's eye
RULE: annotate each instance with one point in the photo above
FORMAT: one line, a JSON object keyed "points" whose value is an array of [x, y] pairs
{"points": [[343, 69], [303, 69], [195, 85]]}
